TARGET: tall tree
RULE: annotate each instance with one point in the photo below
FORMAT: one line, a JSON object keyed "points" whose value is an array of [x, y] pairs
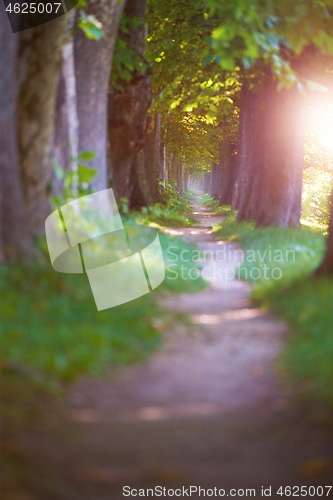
{"points": [[228, 170], [93, 59], [15, 239], [129, 100], [39, 65], [65, 147], [152, 154], [216, 180], [270, 154]]}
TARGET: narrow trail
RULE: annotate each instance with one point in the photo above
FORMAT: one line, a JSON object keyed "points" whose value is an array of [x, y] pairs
{"points": [[222, 361], [207, 409]]}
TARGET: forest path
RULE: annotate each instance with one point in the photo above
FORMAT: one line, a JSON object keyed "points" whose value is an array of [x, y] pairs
{"points": [[221, 361], [206, 409]]}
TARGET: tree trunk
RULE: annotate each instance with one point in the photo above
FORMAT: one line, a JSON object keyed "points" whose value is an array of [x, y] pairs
{"points": [[228, 172], [216, 180], [126, 129], [66, 139], [180, 186], [71, 104], [270, 155], [127, 110], [162, 162], [152, 157], [93, 60], [15, 239], [326, 267], [140, 196], [168, 155], [173, 168], [207, 183], [186, 180], [40, 61], [60, 150]]}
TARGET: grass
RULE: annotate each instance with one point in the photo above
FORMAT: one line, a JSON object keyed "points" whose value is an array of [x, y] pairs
{"points": [[213, 204], [53, 328], [304, 301], [174, 212], [164, 216]]}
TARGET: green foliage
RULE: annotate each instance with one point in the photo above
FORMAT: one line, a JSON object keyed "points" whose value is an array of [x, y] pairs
{"points": [[304, 301], [318, 162], [316, 204], [54, 331], [69, 184], [255, 30], [174, 212], [54, 328], [214, 205], [193, 95], [195, 141], [307, 306], [161, 216], [91, 27], [125, 60], [302, 250], [123, 206], [199, 50]]}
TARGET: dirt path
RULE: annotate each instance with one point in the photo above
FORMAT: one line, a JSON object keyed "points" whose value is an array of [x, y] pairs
{"points": [[207, 409], [222, 363]]}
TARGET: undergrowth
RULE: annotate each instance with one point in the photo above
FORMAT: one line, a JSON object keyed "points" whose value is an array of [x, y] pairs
{"points": [[53, 328], [175, 211], [303, 300]]}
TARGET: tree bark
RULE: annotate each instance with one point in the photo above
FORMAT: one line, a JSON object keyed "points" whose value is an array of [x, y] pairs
{"points": [[40, 61], [60, 151], [162, 162], [15, 239], [216, 185], [228, 171], [93, 60], [173, 168], [140, 196], [152, 157], [71, 104], [180, 178], [126, 129], [127, 110], [270, 155], [186, 180], [207, 183], [66, 139], [168, 155]]}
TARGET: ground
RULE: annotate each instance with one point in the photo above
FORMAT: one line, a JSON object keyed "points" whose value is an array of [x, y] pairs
{"points": [[208, 409]]}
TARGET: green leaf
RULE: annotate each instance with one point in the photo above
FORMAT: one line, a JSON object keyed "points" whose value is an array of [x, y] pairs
{"points": [[69, 177], [86, 156], [86, 174], [91, 27], [81, 4]]}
